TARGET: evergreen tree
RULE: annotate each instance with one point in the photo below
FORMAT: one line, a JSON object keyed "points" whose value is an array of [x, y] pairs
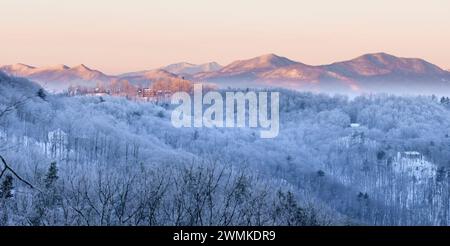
{"points": [[320, 173], [290, 213], [51, 176], [380, 155], [196, 135], [440, 174], [41, 94], [445, 100], [6, 187]]}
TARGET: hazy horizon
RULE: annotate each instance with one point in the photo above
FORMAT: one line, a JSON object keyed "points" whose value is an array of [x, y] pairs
{"points": [[124, 36]]}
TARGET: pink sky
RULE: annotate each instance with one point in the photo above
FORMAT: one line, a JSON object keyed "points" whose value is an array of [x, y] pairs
{"points": [[120, 36]]}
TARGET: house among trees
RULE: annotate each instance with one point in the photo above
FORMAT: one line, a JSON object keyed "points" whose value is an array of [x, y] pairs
{"points": [[146, 92], [98, 91], [412, 155], [150, 94], [79, 91], [156, 91]]}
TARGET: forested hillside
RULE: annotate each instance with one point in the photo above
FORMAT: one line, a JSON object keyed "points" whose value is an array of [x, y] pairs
{"points": [[372, 160]]}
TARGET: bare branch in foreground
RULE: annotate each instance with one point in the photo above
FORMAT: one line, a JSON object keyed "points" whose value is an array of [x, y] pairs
{"points": [[8, 168]]}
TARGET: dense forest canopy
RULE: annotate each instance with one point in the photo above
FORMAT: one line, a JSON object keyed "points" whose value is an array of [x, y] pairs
{"points": [[373, 159]]}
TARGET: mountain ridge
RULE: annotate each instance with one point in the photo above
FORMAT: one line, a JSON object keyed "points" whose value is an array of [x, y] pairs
{"points": [[365, 73], [186, 68]]}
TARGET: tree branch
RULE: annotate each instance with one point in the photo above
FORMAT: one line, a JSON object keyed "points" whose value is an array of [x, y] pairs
{"points": [[8, 168]]}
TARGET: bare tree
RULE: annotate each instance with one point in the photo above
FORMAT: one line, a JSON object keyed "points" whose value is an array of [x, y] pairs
{"points": [[3, 112], [6, 168]]}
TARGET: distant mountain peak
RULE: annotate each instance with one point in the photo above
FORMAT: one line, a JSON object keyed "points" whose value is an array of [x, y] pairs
{"points": [[21, 66], [190, 69], [270, 56], [177, 67], [210, 66], [378, 55], [272, 59], [18, 69], [159, 72], [263, 62], [81, 67], [380, 64], [184, 64], [55, 67], [213, 63], [384, 58]]}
